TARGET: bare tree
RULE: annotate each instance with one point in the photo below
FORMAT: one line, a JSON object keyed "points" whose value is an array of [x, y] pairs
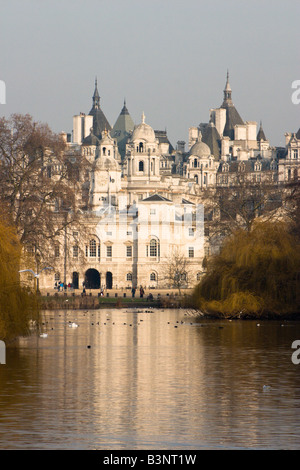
{"points": [[240, 203], [176, 270], [39, 182]]}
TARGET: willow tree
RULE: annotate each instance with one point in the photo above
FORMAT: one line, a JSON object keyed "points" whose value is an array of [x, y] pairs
{"points": [[256, 272], [18, 306]]}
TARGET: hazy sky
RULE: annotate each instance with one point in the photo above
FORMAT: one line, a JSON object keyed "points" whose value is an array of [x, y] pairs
{"points": [[168, 58]]}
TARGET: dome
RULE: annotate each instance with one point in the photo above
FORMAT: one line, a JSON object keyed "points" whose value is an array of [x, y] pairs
{"points": [[143, 132], [200, 149], [91, 139]]}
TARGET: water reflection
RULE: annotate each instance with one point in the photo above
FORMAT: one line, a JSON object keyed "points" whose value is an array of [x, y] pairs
{"points": [[139, 380]]}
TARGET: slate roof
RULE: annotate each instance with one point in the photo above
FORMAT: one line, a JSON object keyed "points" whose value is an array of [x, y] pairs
{"points": [[163, 139], [100, 123], [156, 198], [211, 137], [261, 134], [122, 129]]}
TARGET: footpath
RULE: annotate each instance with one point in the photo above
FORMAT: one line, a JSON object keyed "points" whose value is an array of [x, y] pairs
{"points": [[92, 298]]}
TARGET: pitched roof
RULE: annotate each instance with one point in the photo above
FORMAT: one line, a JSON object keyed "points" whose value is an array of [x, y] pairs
{"points": [[163, 139], [211, 137], [122, 129], [156, 198], [261, 134]]}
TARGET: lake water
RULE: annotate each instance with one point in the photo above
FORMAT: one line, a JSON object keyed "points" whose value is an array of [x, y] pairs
{"points": [[140, 380]]}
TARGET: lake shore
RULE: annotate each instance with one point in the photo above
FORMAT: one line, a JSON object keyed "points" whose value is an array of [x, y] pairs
{"points": [[163, 299]]}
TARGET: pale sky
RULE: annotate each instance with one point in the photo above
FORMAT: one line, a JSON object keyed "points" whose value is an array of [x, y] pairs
{"points": [[168, 58]]}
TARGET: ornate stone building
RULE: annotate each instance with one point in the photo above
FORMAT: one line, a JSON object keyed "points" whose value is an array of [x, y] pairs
{"points": [[146, 200]]}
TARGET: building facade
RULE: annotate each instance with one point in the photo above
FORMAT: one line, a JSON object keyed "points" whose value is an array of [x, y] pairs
{"points": [[146, 199]]}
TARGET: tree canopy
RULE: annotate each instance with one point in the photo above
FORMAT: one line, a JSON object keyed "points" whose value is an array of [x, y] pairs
{"points": [[256, 272], [18, 306]]}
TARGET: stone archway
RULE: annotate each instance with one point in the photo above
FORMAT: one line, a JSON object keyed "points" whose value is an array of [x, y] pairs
{"points": [[92, 279], [75, 280], [109, 280]]}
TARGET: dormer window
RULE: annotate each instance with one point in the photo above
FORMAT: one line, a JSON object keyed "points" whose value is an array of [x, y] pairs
{"points": [[257, 167]]}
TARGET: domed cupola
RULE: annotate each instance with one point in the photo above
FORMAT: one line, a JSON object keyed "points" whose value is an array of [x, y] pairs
{"points": [[142, 135], [200, 149]]}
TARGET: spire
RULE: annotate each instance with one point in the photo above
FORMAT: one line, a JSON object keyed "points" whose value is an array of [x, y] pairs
{"points": [[261, 134], [124, 109], [143, 118], [227, 89], [232, 116], [96, 96], [99, 120]]}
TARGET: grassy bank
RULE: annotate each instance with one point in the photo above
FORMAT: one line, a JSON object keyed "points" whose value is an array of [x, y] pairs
{"points": [[75, 302]]}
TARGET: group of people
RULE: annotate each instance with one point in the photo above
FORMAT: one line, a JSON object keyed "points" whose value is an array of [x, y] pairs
{"points": [[61, 286], [142, 292]]}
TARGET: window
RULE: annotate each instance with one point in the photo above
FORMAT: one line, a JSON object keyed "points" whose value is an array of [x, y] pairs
{"points": [[129, 251], [129, 277], [75, 251], [152, 211], [56, 251], [295, 154], [93, 250], [191, 231], [153, 248], [141, 166], [109, 251], [191, 252], [56, 276], [152, 277]]}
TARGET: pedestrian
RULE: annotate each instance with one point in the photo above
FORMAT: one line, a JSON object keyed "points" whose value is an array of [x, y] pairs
{"points": [[133, 292], [141, 292]]}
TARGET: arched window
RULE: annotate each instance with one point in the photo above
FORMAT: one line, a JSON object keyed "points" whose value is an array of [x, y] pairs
{"points": [[195, 163], [141, 147], [103, 150], [196, 179], [129, 277], [153, 248], [93, 248], [141, 165], [56, 277], [153, 277]]}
